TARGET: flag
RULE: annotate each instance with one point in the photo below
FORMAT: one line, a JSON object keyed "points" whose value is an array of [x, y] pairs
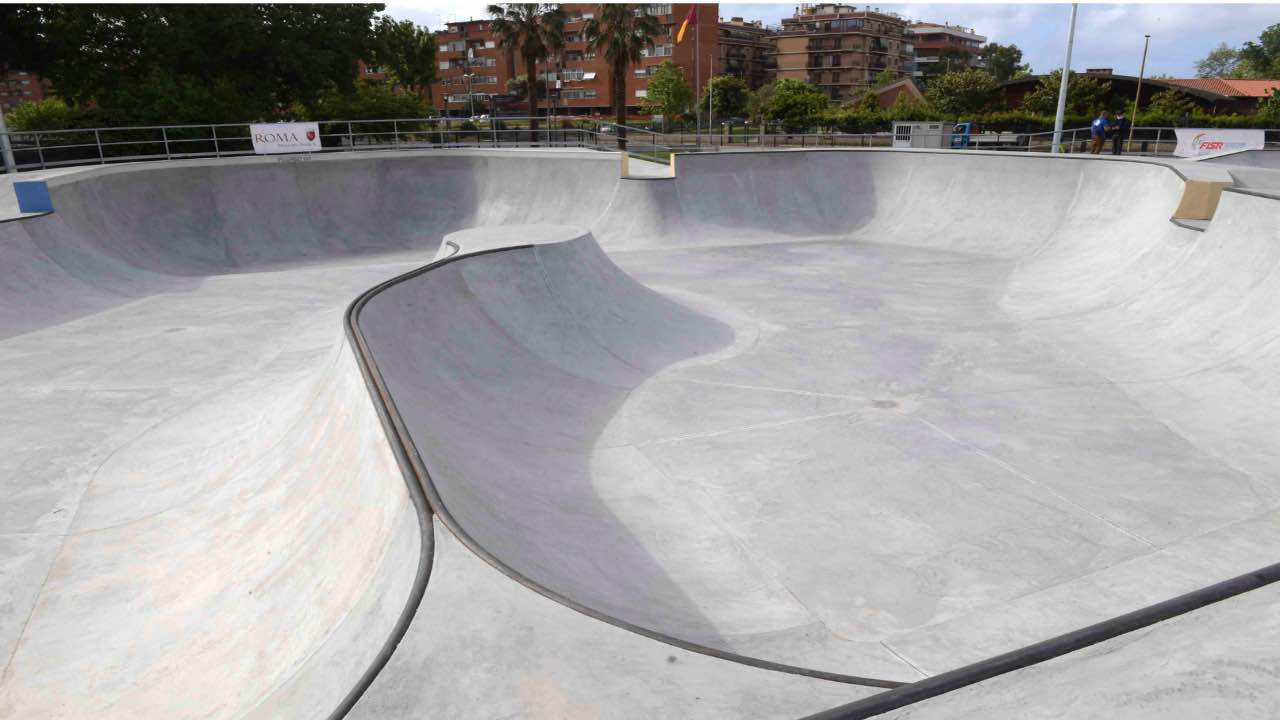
{"points": [[692, 17]]}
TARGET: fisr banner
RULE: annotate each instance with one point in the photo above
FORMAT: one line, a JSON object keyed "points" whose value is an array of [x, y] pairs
{"points": [[285, 138], [1194, 142]]}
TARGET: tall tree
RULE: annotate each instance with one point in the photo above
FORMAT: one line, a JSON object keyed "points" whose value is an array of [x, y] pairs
{"points": [[1221, 62], [796, 104], [1085, 95], [668, 94], [729, 96], [531, 28], [621, 31], [950, 59], [253, 61], [407, 52], [964, 93], [1262, 59], [1004, 62]]}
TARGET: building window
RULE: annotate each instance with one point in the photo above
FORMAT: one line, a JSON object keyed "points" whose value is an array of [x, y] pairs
{"points": [[663, 50], [642, 93], [573, 74], [456, 46], [578, 94]]}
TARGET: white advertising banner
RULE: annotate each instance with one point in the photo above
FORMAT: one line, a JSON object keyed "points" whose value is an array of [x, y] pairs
{"points": [[1195, 142], [285, 138]]}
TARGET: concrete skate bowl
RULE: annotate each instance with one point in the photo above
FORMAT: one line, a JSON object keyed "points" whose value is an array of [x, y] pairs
{"points": [[970, 403], [865, 415]]}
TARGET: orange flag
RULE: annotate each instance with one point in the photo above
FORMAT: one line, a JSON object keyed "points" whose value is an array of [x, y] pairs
{"points": [[691, 18]]}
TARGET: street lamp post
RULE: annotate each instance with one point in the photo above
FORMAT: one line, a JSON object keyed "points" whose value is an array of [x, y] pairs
{"points": [[1138, 95], [1062, 87]]}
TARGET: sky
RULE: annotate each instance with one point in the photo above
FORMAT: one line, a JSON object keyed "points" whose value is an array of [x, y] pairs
{"points": [[1107, 35]]}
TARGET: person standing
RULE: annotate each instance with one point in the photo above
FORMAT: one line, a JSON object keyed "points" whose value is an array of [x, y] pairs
{"points": [[1098, 133], [1119, 133]]}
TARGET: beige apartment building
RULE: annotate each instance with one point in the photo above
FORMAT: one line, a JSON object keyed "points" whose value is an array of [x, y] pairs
{"points": [[745, 51], [841, 48]]}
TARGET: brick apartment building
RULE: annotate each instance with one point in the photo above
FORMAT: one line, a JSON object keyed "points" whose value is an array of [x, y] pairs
{"points": [[938, 48], [841, 48], [19, 86], [745, 51], [580, 81]]}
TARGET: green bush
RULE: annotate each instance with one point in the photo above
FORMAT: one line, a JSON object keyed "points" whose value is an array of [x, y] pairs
{"points": [[51, 114]]}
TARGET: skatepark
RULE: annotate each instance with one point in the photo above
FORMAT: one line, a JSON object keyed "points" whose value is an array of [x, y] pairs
{"points": [[504, 433]]}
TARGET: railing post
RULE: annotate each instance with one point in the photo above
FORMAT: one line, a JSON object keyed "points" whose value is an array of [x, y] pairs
{"points": [[97, 140], [395, 132], [216, 151], [164, 134], [39, 151], [351, 138], [1159, 133]]}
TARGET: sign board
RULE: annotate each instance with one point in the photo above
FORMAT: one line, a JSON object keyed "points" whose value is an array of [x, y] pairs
{"points": [[1196, 142], [285, 138]]}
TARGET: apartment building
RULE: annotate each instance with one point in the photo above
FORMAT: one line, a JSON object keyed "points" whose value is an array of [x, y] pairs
{"points": [[474, 68], [19, 86], [944, 48], [841, 48], [745, 51]]}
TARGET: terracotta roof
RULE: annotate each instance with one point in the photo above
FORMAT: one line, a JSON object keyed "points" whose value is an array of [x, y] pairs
{"points": [[1230, 88]]}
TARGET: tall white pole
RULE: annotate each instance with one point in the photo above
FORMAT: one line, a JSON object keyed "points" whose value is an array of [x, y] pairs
{"points": [[5, 148], [1062, 88], [1137, 97]]}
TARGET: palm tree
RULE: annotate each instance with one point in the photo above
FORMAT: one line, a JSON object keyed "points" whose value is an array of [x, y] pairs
{"points": [[622, 31], [531, 28]]}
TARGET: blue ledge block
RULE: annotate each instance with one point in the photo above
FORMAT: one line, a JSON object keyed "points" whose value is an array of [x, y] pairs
{"points": [[33, 196]]}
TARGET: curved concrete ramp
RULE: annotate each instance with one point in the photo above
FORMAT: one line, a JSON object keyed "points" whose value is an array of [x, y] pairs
{"points": [[202, 516]]}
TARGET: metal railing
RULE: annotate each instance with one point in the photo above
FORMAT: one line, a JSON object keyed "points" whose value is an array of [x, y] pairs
{"points": [[44, 149]]}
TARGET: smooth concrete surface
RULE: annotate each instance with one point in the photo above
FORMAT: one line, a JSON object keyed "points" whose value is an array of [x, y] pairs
{"points": [[871, 413], [1255, 169], [1216, 662]]}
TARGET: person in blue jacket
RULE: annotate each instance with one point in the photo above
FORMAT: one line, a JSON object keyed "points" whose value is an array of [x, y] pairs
{"points": [[1098, 133]]}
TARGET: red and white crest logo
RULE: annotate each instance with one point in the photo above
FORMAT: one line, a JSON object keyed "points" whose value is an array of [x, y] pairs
{"points": [[311, 135]]}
